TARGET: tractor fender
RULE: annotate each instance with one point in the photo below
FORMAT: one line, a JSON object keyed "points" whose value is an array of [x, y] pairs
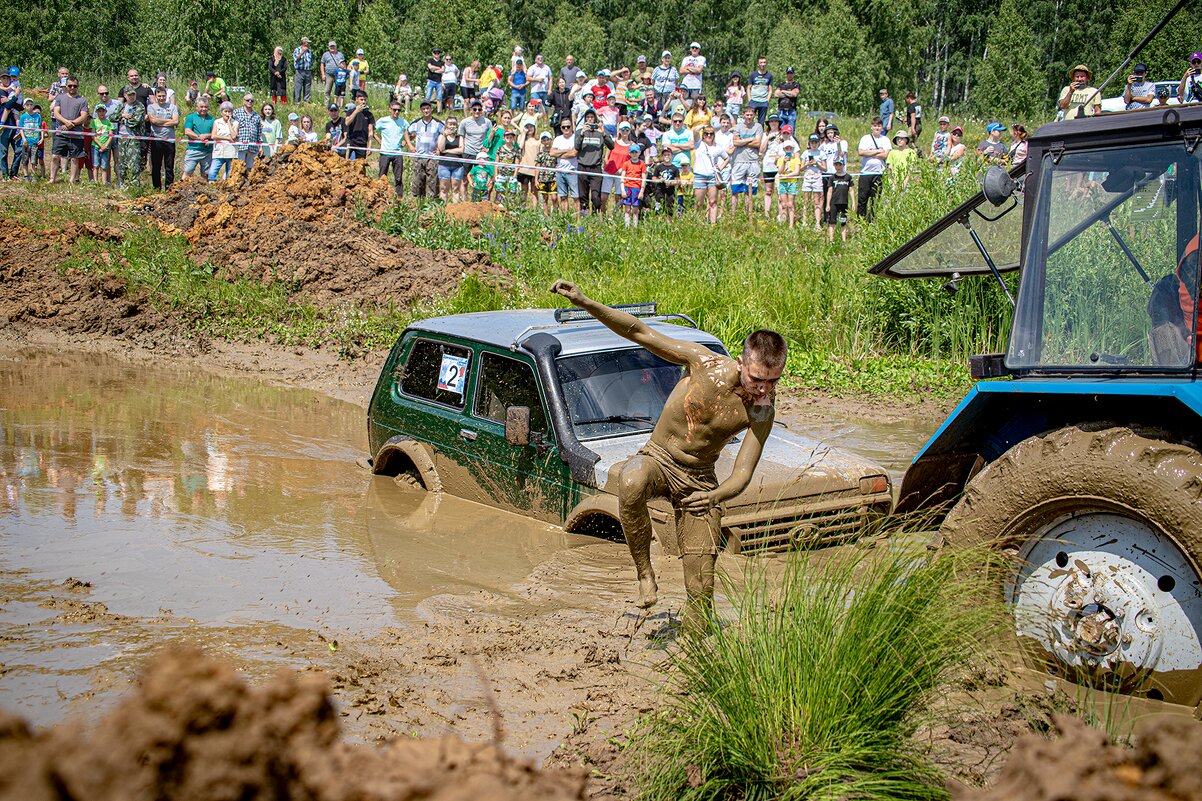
{"points": [[400, 453], [997, 415]]}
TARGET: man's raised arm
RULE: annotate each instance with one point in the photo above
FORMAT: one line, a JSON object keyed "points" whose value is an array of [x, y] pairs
{"points": [[626, 325]]}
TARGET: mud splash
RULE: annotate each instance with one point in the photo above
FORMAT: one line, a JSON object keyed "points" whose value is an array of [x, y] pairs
{"points": [[1079, 764], [304, 219], [194, 732]]}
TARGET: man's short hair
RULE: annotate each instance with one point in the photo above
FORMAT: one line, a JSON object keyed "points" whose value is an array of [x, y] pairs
{"points": [[877, 121], [766, 347]]}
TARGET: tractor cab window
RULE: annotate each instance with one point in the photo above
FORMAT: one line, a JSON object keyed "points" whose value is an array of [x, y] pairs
{"points": [[1111, 276]]}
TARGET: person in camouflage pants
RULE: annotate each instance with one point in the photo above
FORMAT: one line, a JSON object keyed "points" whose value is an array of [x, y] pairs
{"points": [[131, 122]]}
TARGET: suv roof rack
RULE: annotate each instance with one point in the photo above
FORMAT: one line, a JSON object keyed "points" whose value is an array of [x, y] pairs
{"points": [[574, 314]]}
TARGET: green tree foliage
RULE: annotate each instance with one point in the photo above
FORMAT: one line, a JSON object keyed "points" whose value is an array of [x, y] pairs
{"points": [[844, 50], [1010, 83], [579, 34], [836, 65]]}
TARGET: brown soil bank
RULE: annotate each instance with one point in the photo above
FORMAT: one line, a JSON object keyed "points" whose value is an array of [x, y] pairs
{"points": [[303, 218], [34, 290], [195, 732], [1081, 765]]}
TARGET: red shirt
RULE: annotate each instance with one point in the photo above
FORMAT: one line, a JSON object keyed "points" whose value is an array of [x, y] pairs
{"points": [[601, 94], [617, 157], [635, 170]]}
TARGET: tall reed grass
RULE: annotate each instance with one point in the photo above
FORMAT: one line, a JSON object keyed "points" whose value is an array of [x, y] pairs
{"points": [[815, 688]]}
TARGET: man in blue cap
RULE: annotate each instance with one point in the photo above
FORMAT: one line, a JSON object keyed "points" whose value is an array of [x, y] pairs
{"points": [[993, 149]]}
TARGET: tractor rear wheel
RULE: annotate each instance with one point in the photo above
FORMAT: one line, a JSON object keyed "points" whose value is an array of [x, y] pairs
{"points": [[1103, 533]]}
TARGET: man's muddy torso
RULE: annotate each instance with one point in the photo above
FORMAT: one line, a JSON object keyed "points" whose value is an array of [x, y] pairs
{"points": [[704, 411]]}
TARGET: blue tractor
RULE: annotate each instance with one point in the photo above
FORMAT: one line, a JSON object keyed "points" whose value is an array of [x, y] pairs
{"points": [[1078, 452]]}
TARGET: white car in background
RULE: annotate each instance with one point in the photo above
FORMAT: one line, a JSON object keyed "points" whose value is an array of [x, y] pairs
{"points": [[1111, 104]]}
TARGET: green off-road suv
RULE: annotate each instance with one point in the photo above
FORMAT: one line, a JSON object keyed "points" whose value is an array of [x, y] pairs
{"points": [[535, 411]]}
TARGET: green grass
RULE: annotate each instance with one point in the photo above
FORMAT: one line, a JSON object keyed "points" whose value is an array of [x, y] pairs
{"points": [[816, 687]]}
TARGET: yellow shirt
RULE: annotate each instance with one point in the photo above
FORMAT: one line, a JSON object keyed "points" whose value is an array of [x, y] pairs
{"points": [[362, 65], [1082, 102], [788, 165], [696, 118]]}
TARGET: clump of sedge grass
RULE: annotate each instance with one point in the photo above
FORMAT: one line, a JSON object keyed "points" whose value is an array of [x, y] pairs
{"points": [[817, 688]]}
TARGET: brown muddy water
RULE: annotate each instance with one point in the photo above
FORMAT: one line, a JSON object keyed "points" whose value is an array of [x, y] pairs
{"points": [[140, 507]]}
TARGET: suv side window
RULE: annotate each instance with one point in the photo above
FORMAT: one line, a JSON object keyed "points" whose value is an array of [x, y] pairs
{"points": [[437, 371], [507, 382]]}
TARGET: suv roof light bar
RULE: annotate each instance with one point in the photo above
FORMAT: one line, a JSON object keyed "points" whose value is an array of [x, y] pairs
{"points": [[574, 314]]}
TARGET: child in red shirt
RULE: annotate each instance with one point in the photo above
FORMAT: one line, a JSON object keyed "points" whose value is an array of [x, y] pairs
{"points": [[632, 173]]}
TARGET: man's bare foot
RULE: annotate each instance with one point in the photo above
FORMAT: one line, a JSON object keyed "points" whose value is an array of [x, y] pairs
{"points": [[648, 592]]}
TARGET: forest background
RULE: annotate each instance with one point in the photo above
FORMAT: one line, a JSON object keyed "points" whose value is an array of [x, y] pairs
{"points": [[1006, 61]]}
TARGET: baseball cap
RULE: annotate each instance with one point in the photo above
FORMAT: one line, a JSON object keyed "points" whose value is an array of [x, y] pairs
{"points": [[945, 119], [695, 44], [958, 130], [99, 106], [426, 104], [667, 53], [884, 92], [331, 43], [545, 135], [29, 101], [789, 69], [333, 107], [641, 60], [1140, 69], [1195, 55], [995, 126], [773, 116], [482, 155], [529, 124], [604, 72], [359, 52], [624, 126], [293, 117], [306, 40], [815, 138], [476, 104], [14, 72], [586, 93], [648, 118], [840, 160], [509, 132], [635, 149], [591, 113]]}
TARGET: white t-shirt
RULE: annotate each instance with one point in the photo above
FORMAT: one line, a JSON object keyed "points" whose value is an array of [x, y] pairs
{"points": [[450, 73], [539, 76], [565, 143], [722, 143], [691, 80], [868, 164], [704, 158], [827, 150]]}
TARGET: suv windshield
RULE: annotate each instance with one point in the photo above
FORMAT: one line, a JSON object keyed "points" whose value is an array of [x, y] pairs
{"points": [[617, 392], [1116, 233]]}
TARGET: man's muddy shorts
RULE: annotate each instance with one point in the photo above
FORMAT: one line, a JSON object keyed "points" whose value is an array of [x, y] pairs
{"points": [[697, 532]]}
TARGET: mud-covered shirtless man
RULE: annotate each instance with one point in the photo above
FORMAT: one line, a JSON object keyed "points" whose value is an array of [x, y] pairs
{"points": [[717, 398]]}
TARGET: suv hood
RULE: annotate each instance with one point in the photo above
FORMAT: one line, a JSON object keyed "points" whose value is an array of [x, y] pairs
{"points": [[792, 466]]}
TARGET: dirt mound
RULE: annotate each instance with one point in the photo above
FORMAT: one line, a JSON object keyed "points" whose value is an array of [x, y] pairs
{"points": [[1081, 765], [36, 291], [472, 213], [304, 218], [195, 732]]}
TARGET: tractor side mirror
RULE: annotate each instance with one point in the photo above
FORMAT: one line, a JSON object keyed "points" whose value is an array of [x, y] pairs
{"points": [[517, 425], [997, 185]]}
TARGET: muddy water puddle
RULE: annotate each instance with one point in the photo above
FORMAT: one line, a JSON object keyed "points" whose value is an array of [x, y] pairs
{"points": [[140, 507]]}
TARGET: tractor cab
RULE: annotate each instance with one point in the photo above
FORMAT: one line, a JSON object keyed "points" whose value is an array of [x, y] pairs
{"points": [[1103, 227]]}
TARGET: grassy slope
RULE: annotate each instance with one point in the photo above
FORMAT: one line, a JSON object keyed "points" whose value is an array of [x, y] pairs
{"points": [[849, 333]]}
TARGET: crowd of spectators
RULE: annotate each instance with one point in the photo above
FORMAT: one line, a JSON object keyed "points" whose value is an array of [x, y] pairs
{"points": [[639, 139]]}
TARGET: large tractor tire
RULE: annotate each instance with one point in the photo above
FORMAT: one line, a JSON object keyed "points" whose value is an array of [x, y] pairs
{"points": [[1102, 533]]}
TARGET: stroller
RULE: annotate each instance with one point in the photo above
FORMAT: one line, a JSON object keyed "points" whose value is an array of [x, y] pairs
{"points": [[493, 99]]}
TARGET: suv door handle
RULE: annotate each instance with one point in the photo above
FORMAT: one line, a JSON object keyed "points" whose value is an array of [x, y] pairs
{"points": [[470, 436]]}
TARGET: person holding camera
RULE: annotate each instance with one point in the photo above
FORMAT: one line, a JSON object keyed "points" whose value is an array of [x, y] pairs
{"points": [[591, 143], [1079, 99], [1139, 91], [1190, 88]]}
